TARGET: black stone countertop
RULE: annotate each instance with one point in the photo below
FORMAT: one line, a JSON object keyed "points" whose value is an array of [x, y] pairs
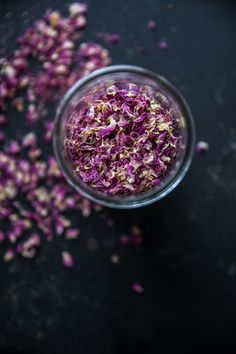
{"points": [[187, 264]]}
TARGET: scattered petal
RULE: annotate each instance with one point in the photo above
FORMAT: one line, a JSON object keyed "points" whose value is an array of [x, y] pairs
{"points": [[115, 259], [151, 25], [163, 44], [67, 259], [71, 234], [8, 255], [202, 147], [137, 288]]}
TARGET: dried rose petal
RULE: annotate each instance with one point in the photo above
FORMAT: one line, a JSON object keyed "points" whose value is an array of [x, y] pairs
{"points": [[3, 119], [151, 25], [77, 8], [8, 255], [2, 137], [67, 259], [2, 236], [110, 222], [163, 44], [29, 140], [202, 147], [137, 288], [72, 234], [13, 147], [115, 259], [123, 148]]}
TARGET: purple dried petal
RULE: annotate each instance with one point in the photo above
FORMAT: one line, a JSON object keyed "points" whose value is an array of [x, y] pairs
{"points": [[29, 140], [124, 240], [202, 147], [163, 44], [151, 25], [3, 119], [67, 259], [2, 137], [110, 222], [9, 255], [2, 236], [137, 288], [71, 234], [13, 147], [77, 8]]}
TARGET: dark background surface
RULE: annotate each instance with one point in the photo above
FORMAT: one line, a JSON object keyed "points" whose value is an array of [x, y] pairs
{"points": [[187, 264]]}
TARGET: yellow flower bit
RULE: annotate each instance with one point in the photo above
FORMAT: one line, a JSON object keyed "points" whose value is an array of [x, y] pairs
{"points": [[163, 126], [149, 159]]}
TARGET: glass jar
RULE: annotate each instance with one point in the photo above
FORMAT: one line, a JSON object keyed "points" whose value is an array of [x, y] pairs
{"points": [[139, 76]]}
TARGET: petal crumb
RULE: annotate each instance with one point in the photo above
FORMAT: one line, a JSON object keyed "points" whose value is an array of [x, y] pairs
{"points": [[115, 259], [136, 287], [72, 234], [163, 44], [67, 259], [202, 147], [151, 25], [8, 255]]}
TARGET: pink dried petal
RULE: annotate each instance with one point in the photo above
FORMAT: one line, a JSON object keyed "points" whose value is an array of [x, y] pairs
{"points": [[115, 259], [202, 147], [19, 104], [29, 140], [67, 259], [137, 288], [9, 255], [86, 208], [2, 236], [13, 147], [110, 222], [124, 240], [151, 25], [71, 234], [2, 137], [163, 44], [114, 38], [3, 119], [34, 153], [77, 8]]}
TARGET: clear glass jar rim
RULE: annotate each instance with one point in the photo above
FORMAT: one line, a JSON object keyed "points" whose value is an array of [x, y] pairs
{"points": [[145, 198]]}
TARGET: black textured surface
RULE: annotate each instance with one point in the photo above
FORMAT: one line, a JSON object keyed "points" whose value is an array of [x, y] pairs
{"points": [[187, 264]]}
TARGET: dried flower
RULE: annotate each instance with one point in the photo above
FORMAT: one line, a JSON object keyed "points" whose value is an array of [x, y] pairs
{"points": [[9, 255], [137, 288], [115, 259], [109, 38], [71, 234], [67, 259], [202, 147], [163, 44], [151, 25], [3, 119], [127, 141]]}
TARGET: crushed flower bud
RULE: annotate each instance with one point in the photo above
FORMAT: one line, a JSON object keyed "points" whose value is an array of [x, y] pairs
{"points": [[124, 140]]}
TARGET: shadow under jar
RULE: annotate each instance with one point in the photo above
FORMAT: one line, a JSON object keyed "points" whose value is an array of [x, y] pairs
{"points": [[123, 137]]}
